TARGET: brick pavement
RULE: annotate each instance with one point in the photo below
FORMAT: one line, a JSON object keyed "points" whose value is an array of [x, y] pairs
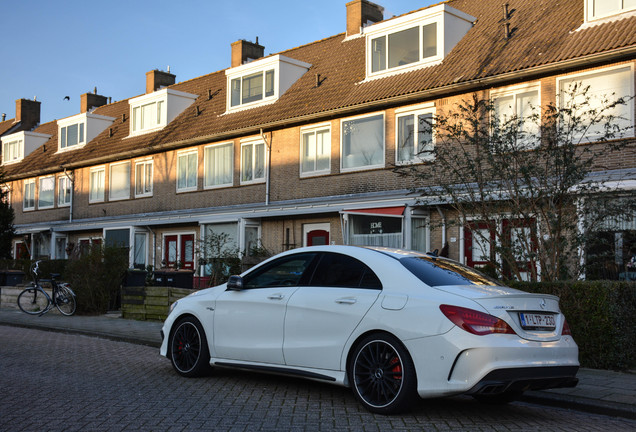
{"points": [[603, 392]]}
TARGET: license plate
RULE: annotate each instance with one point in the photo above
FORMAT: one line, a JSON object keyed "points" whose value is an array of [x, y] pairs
{"points": [[537, 321]]}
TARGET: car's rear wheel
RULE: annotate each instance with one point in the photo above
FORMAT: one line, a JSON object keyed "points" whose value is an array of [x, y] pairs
{"points": [[189, 351], [382, 375]]}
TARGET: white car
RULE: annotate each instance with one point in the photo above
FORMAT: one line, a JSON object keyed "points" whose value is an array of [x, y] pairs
{"points": [[391, 324]]}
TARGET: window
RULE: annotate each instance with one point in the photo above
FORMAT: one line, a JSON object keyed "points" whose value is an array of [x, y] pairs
{"points": [[153, 111], [518, 107], [47, 192], [119, 187], [143, 178], [286, 271], [363, 142], [187, 171], [117, 238], [148, 116], [97, 183], [29, 195], [64, 190], [262, 81], [414, 136], [12, 151], [596, 9], [218, 161], [315, 150], [71, 135], [336, 270], [605, 86], [140, 250], [403, 47], [252, 162], [252, 88], [375, 231]]}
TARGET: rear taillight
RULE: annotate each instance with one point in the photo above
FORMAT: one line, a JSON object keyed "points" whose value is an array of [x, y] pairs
{"points": [[475, 322], [565, 331]]}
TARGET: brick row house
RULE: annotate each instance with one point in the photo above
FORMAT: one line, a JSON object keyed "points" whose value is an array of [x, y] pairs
{"points": [[298, 148]]}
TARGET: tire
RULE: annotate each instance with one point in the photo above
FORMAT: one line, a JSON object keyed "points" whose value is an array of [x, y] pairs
{"points": [[382, 375], [499, 399], [32, 301], [188, 347], [65, 301]]}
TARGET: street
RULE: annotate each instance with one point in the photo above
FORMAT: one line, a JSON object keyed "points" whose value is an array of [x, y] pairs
{"points": [[55, 381]]}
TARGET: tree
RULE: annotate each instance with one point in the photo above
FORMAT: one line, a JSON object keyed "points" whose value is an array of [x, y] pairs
{"points": [[7, 230], [530, 189]]}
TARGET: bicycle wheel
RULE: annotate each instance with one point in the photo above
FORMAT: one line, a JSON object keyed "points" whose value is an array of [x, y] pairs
{"points": [[33, 301], [65, 300]]}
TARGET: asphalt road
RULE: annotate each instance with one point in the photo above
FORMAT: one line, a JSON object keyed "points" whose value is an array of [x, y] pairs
{"points": [[55, 381]]}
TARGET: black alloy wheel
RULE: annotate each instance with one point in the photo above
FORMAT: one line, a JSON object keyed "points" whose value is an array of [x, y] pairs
{"points": [[189, 349], [382, 375]]}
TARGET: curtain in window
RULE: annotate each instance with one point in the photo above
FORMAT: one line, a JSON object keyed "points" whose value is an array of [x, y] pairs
{"points": [[47, 192], [120, 181], [97, 185], [218, 165], [363, 142]]}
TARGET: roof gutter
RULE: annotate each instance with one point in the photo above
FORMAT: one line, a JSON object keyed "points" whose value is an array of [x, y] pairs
{"points": [[562, 66]]}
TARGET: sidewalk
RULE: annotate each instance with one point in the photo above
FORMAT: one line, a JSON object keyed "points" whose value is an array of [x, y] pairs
{"points": [[598, 391]]}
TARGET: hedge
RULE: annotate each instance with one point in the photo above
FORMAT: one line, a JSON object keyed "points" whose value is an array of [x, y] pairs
{"points": [[601, 315]]}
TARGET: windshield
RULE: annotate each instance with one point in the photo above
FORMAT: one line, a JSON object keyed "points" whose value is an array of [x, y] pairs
{"points": [[434, 271]]}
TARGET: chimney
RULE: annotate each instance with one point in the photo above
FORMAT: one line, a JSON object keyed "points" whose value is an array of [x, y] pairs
{"points": [[361, 13], [244, 52], [27, 112], [4, 116], [89, 101], [156, 79]]}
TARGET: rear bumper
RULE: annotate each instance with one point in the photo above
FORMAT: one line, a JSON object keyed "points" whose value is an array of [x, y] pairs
{"points": [[522, 379]]}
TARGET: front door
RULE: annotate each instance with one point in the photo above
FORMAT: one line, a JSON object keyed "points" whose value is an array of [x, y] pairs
{"points": [[187, 251], [316, 234], [170, 249]]}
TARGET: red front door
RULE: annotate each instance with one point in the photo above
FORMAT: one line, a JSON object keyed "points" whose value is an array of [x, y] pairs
{"points": [[317, 238], [179, 249], [170, 250], [187, 251]]}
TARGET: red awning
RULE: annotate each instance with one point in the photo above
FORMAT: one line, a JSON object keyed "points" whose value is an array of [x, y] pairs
{"points": [[390, 211]]}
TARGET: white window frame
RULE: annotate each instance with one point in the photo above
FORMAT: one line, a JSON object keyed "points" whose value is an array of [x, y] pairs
{"points": [[187, 154], [314, 130], [147, 189], [342, 143], [12, 151], [415, 112], [163, 106], [514, 92], [111, 177], [62, 133], [591, 137], [207, 165], [621, 7], [31, 184], [253, 143], [49, 179], [64, 185], [97, 170]]}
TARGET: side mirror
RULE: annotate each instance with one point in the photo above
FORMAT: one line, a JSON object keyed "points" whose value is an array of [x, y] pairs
{"points": [[235, 283]]}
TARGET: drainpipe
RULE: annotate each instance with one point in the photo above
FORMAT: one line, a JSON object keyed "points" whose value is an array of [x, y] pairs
{"points": [[268, 157]]}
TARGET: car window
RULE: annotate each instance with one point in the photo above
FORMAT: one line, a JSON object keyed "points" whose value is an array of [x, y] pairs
{"points": [[337, 270], [434, 271], [285, 271]]}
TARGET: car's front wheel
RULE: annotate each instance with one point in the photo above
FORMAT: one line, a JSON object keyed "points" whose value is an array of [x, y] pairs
{"points": [[189, 351], [382, 374]]}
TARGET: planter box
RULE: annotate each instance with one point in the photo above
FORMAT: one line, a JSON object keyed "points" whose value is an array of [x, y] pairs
{"points": [[149, 303]]}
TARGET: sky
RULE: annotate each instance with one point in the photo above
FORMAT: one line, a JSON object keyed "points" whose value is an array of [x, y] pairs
{"points": [[58, 48]]}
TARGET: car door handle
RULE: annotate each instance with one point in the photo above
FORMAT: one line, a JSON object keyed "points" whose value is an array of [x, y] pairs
{"points": [[275, 297], [346, 300]]}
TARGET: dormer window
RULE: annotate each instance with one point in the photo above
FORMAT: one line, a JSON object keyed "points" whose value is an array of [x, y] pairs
{"points": [[600, 9], [415, 40], [20, 144], [262, 81], [72, 135], [74, 132], [153, 111]]}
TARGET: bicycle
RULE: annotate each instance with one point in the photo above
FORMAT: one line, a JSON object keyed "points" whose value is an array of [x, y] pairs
{"points": [[35, 301]]}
